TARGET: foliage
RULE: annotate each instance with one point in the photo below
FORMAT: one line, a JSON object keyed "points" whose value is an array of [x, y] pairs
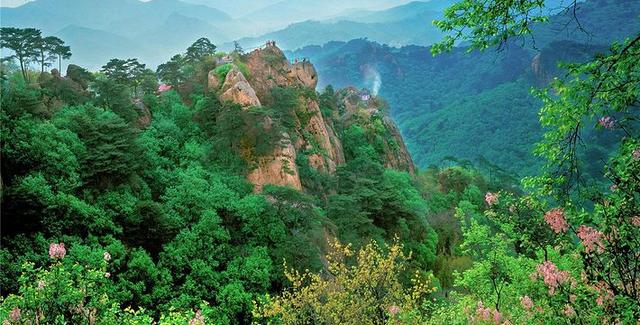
{"points": [[488, 23], [221, 71], [366, 292], [199, 49], [128, 72], [555, 254], [23, 42]]}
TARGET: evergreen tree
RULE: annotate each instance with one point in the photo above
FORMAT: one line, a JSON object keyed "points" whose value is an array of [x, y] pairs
{"points": [[23, 42], [48, 48], [199, 49]]}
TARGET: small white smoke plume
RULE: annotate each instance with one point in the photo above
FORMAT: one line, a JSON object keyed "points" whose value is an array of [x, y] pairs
{"points": [[372, 79]]}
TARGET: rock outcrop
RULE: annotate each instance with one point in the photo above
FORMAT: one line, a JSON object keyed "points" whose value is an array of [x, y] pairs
{"points": [[308, 133], [330, 146], [237, 89], [278, 168], [270, 68], [304, 73]]}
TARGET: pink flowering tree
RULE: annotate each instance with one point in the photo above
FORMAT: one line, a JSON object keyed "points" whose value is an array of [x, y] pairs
{"points": [[69, 292], [587, 260]]}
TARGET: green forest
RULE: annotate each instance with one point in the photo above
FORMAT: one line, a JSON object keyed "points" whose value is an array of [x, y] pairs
{"points": [[230, 187], [477, 106]]}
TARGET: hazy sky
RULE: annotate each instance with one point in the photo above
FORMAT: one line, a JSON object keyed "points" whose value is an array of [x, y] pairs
{"points": [[12, 3]]}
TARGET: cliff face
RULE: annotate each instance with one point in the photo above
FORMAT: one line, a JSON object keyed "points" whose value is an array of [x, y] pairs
{"points": [[308, 134]]}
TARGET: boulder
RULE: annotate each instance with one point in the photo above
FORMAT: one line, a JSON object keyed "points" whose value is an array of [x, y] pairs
{"points": [[237, 89]]}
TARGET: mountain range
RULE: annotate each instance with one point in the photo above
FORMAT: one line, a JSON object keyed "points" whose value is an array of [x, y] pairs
{"points": [[476, 106], [154, 30]]}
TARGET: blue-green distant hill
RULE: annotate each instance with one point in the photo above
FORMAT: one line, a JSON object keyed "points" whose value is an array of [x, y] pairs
{"points": [[402, 25], [476, 106]]}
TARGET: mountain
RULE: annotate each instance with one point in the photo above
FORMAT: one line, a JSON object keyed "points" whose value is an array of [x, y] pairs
{"points": [[397, 13], [92, 48], [235, 8], [100, 30], [311, 142], [474, 106], [402, 25], [125, 17], [297, 10]]}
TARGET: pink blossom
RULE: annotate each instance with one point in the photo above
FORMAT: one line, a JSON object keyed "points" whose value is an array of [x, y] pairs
{"points": [[15, 314], [635, 221], [572, 298], [491, 198], [41, 284], [526, 302], [607, 122], [636, 154], [488, 314], [394, 310], [613, 187], [107, 275], [552, 276], [591, 239], [163, 88], [106, 256], [506, 322], [569, 311], [57, 251], [497, 316], [556, 220], [483, 312], [197, 319]]}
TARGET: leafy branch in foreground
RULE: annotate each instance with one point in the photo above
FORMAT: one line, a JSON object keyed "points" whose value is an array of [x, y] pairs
{"points": [[606, 89]]}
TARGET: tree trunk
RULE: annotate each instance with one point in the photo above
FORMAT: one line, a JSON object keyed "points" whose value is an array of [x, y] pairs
{"points": [[22, 68], [60, 64]]}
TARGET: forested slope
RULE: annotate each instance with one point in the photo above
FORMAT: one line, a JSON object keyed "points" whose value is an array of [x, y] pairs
{"points": [[477, 105]]}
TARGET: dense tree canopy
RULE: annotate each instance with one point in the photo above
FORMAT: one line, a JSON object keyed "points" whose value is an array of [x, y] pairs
{"points": [[123, 202]]}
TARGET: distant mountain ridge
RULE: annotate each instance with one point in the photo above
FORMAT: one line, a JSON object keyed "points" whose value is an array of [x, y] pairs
{"points": [[475, 106], [153, 31], [398, 26]]}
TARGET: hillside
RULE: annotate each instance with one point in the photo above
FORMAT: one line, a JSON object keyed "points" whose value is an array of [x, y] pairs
{"points": [[472, 106], [310, 137], [241, 158]]}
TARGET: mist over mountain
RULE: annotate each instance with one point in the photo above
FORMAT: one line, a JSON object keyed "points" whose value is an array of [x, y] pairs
{"points": [[398, 26], [155, 29]]}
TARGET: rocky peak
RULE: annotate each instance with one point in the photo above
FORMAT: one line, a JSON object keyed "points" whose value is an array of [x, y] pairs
{"points": [[309, 134], [304, 73], [270, 68]]}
